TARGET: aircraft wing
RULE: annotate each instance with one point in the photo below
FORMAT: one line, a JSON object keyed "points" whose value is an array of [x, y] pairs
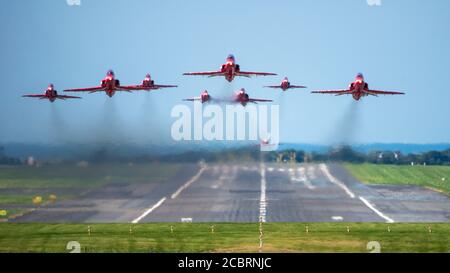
{"points": [[35, 96], [272, 86], [88, 89], [259, 100], [133, 88], [146, 88], [381, 92], [336, 92], [297, 86], [206, 73], [250, 74], [194, 99], [63, 97], [158, 86]]}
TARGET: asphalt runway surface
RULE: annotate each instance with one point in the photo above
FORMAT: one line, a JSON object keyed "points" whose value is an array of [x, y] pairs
{"points": [[251, 193]]}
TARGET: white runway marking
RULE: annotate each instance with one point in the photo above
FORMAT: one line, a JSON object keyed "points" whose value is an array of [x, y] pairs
{"points": [[337, 218], [301, 177], [311, 173], [335, 181], [192, 180], [225, 177], [147, 212], [262, 199], [308, 184], [301, 172], [270, 169], [372, 207]]}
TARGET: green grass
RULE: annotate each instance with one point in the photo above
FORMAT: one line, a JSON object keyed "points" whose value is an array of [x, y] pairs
{"points": [[27, 199], [11, 213], [227, 237], [68, 176], [72, 179], [427, 176]]}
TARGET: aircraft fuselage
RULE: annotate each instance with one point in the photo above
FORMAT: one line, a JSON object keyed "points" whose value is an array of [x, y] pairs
{"points": [[359, 88], [229, 69], [51, 94], [110, 84], [242, 98], [285, 85]]}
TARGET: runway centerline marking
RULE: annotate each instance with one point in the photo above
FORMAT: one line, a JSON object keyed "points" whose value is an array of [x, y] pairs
{"points": [[379, 213], [262, 198], [147, 212], [187, 184], [335, 181]]}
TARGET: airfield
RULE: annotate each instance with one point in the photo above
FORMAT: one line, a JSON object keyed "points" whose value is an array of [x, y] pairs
{"points": [[252, 192]]}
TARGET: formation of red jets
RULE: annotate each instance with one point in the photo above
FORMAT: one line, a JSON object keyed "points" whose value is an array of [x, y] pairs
{"points": [[110, 85]]}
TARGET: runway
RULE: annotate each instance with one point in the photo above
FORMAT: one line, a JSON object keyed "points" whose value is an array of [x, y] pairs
{"points": [[251, 193]]}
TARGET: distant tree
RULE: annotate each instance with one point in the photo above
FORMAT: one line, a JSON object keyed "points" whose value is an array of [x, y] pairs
{"points": [[300, 156], [347, 154], [387, 157], [373, 157], [318, 157], [407, 159], [100, 155], [435, 158]]}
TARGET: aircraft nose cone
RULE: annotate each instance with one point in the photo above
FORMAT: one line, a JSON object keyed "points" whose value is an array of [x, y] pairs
{"points": [[230, 58]]}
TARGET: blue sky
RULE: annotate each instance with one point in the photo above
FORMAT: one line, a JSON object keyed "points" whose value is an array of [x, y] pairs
{"points": [[401, 45]]}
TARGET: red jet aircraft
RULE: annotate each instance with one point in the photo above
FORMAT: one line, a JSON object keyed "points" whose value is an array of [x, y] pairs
{"points": [[229, 70], [147, 85], [204, 97], [240, 97], [285, 85], [243, 98], [359, 88], [51, 94], [109, 85]]}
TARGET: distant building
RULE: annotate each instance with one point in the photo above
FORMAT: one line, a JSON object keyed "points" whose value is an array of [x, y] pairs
{"points": [[31, 161]]}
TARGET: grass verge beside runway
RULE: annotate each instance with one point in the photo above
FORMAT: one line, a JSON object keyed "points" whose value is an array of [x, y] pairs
{"points": [[82, 176], [227, 237], [19, 185], [436, 177]]}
